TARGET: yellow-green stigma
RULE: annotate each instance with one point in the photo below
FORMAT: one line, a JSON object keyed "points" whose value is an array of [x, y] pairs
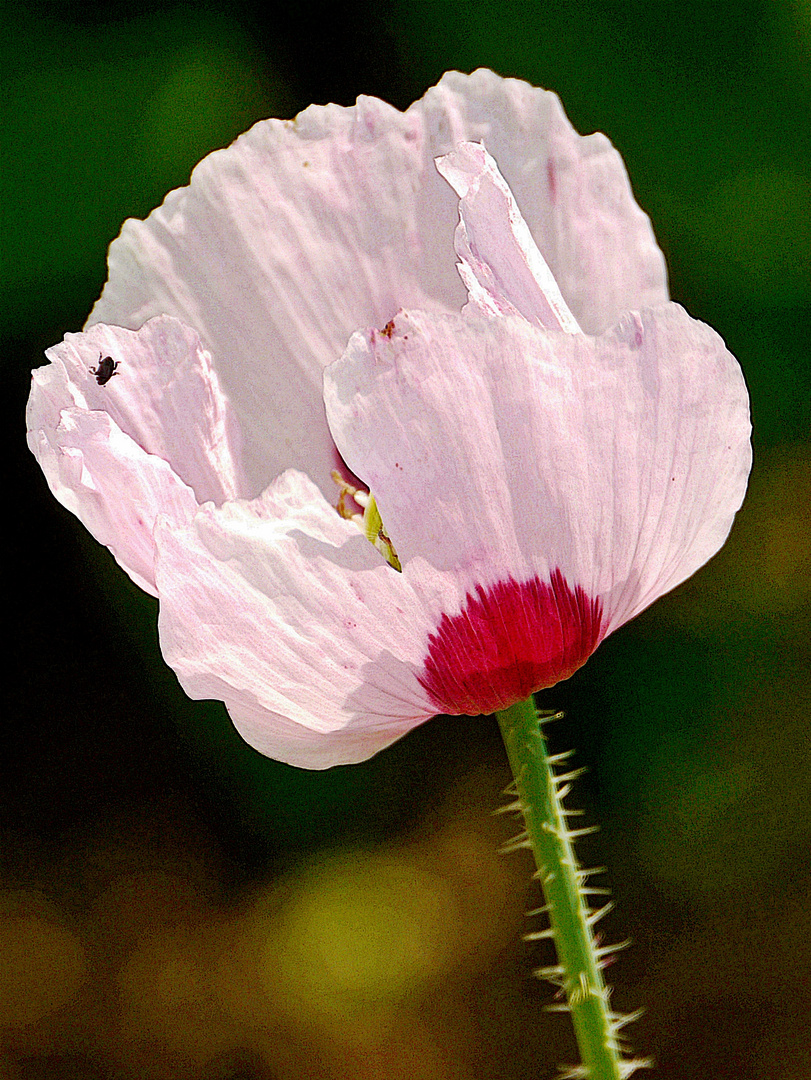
{"points": [[370, 521]]}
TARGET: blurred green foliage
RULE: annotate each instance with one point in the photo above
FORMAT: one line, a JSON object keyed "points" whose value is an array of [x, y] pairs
{"points": [[100, 123]]}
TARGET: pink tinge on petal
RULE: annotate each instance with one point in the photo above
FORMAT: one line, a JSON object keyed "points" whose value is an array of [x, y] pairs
{"points": [[509, 640], [499, 261]]}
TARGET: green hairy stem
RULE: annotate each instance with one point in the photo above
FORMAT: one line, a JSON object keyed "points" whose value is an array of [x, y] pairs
{"points": [[578, 972]]}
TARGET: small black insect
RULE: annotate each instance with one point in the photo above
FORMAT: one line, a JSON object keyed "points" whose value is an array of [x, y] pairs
{"points": [[105, 370]]}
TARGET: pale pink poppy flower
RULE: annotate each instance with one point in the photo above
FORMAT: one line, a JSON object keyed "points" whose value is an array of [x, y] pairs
{"points": [[546, 462]]}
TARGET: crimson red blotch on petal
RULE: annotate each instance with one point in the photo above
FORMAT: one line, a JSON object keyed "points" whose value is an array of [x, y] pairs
{"points": [[508, 641]]}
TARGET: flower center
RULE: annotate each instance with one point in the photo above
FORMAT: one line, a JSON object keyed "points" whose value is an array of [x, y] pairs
{"points": [[508, 641], [370, 522]]}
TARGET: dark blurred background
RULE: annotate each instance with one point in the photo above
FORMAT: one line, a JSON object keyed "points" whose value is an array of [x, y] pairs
{"points": [[174, 906]]}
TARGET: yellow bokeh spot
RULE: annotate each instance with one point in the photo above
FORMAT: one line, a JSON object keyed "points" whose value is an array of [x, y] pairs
{"points": [[42, 966], [364, 929]]}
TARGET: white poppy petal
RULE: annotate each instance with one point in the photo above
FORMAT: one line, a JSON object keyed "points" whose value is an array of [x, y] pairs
{"points": [[115, 489], [573, 191], [156, 437], [284, 611], [302, 231], [282, 246], [503, 271], [514, 453]]}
